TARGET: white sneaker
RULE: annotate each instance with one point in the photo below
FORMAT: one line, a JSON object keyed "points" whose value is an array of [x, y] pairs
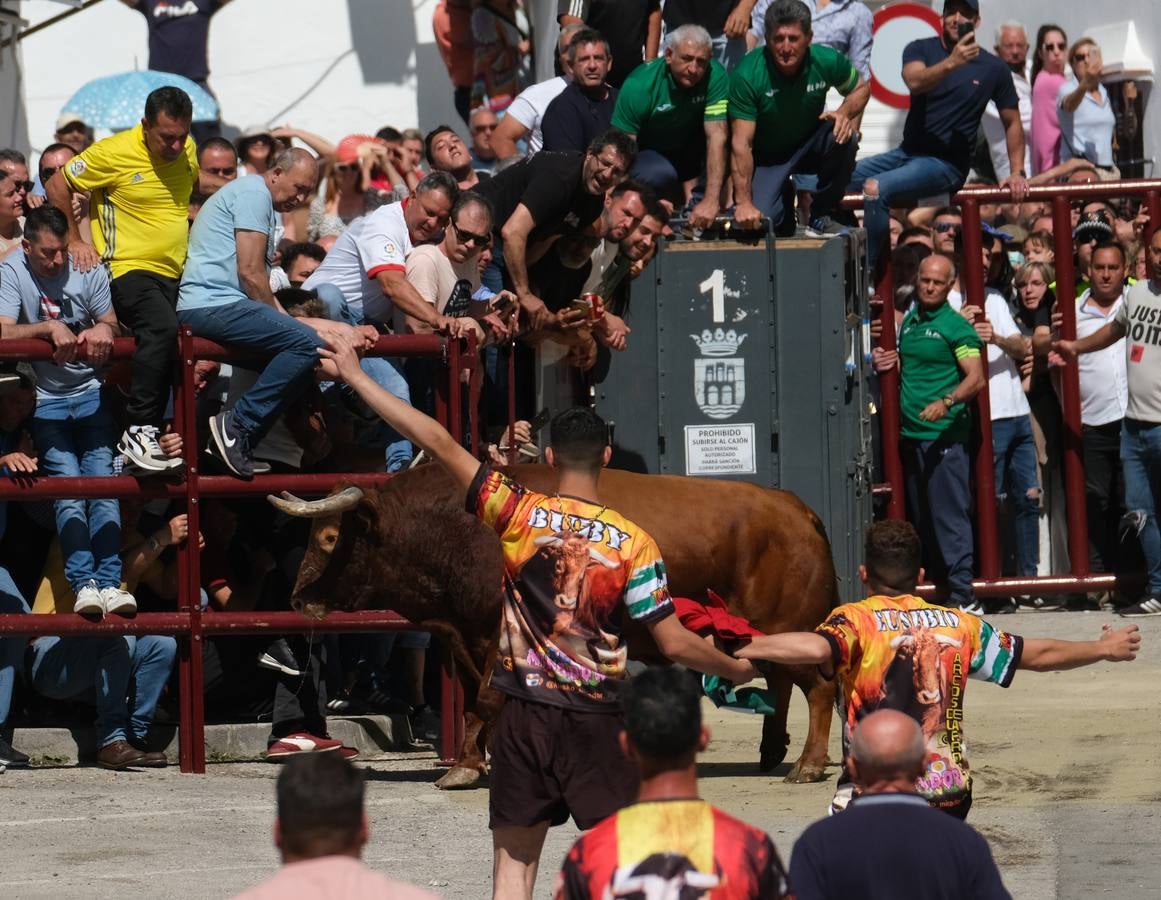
{"points": [[973, 607], [89, 601], [140, 446], [118, 602]]}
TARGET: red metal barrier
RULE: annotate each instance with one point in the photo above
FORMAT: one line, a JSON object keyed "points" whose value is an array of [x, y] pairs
{"points": [[987, 550], [188, 623]]}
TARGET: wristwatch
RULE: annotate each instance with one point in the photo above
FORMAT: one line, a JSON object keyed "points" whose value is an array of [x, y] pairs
{"points": [[156, 546], [948, 401]]}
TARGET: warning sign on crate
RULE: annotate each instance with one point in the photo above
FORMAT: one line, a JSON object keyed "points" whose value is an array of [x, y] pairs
{"points": [[720, 450]]}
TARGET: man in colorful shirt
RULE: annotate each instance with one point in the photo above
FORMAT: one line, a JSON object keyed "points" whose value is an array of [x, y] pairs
{"points": [[573, 566], [779, 127], [894, 650], [942, 369], [676, 109], [670, 838]]}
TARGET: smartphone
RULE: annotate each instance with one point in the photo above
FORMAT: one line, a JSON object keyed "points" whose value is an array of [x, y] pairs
{"points": [[964, 28], [539, 421]]}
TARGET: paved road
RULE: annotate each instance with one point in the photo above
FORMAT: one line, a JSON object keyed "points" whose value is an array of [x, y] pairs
{"points": [[1067, 768]]}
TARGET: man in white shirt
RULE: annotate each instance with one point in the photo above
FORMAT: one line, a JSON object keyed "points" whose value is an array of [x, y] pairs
{"points": [[1012, 48], [521, 120], [363, 280], [1104, 397]]}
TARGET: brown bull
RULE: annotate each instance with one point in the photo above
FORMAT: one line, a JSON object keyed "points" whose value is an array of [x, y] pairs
{"points": [[410, 547]]}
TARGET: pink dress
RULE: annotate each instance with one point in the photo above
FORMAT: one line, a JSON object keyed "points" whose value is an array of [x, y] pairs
{"points": [[1045, 127]]}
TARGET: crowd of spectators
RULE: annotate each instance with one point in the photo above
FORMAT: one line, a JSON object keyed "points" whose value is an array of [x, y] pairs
{"points": [[560, 191]]}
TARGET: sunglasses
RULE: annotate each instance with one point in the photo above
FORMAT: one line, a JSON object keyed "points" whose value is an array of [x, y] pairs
{"points": [[47, 173], [25, 186], [464, 237], [476, 129], [226, 172], [1054, 46], [347, 167], [1080, 57], [944, 227]]}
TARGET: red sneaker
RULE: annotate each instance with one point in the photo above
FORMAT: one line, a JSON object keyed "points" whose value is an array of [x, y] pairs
{"points": [[348, 752], [299, 743]]}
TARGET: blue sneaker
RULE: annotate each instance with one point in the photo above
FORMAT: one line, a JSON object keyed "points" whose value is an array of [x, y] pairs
{"points": [[825, 227], [231, 445]]}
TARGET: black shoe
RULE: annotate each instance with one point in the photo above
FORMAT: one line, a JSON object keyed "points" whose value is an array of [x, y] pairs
{"points": [[11, 758], [280, 658], [1149, 605]]}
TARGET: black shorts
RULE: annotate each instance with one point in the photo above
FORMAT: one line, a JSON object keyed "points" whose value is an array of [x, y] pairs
{"points": [[549, 762]]}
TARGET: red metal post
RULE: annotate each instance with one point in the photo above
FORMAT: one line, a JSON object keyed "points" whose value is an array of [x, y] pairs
{"points": [[1070, 389], [972, 279], [889, 419]]}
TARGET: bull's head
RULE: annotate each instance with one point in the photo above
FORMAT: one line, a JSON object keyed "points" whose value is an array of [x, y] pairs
{"points": [[330, 549], [925, 648], [573, 554]]}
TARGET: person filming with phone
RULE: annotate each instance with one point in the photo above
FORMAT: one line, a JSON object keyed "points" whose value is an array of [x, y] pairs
{"points": [[951, 79]]}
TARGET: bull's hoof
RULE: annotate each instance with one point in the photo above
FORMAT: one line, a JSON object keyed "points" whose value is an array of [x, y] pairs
{"points": [[458, 778], [769, 760], [806, 773]]}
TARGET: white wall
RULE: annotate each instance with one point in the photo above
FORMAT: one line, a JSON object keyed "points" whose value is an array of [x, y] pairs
{"points": [[330, 66]]}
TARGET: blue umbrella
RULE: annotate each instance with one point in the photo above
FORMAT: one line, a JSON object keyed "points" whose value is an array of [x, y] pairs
{"points": [[117, 102]]}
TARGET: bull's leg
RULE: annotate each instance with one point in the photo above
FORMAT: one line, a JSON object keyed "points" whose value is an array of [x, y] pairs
{"points": [[482, 704], [775, 739], [811, 765]]}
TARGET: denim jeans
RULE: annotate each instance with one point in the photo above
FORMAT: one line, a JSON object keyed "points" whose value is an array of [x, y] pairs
{"points": [[75, 436], [11, 648], [387, 373], [667, 176], [818, 155], [939, 499], [903, 179], [1141, 462], [125, 673], [250, 325], [727, 50], [1014, 454]]}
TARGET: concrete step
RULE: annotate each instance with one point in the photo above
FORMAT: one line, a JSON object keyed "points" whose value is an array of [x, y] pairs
{"points": [[373, 736]]}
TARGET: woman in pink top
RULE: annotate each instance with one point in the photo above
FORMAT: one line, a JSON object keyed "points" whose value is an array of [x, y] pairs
{"points": [[1047, 77]]}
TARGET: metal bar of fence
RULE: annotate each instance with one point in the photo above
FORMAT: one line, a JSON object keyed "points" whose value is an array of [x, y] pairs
{"points": [[1041, 585], [972, 277], [213, 623], [889, 414]]}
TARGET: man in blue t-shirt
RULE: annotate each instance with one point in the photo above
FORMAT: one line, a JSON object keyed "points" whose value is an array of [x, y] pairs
{"points": [[225, 296], [951, 79]]}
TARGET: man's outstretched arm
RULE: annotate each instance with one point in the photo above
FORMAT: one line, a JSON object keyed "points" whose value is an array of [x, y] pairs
{"points": [[789, 648], [408, 421], [1051, 655]]}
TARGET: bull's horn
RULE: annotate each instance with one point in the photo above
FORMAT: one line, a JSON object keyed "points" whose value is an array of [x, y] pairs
{"points": [[948, 641], [602, 559], [901, 640], [547, 539], [345, 499]]}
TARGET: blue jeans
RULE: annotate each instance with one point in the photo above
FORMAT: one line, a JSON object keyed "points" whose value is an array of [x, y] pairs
{"points": [[11, 648], [727, 50], [1014, 454], [254, 326], [75, 436], [1141, 463], [126, 673], [818, 155], [667, 175], [385, 372], [903, 179], [939, 499]]}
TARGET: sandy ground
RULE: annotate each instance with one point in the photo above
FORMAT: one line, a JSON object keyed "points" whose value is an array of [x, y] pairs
{"points": [[1067, 785]]}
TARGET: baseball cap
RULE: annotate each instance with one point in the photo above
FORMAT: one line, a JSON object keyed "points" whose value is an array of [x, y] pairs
{"points": [[973, 5], [1095, 226], [70, 118]]}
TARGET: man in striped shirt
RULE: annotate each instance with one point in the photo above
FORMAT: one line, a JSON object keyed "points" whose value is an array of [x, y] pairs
{"points": [[571, 566], [894, 650]]}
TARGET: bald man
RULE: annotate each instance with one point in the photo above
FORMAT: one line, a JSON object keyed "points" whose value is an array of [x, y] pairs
{"points": [[889, 843]]}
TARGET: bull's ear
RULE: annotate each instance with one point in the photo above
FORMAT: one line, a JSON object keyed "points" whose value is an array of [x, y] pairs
{"points": [[367, 515]]}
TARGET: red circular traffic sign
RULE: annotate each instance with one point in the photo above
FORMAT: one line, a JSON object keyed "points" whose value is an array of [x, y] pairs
{"points": [[895, 26]]}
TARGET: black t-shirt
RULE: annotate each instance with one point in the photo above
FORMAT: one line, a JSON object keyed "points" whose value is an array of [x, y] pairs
{"points": [[886, 846], [943, 122], [573, 119], [178, 33], [551, 185], [709, 14], [623, 23]]}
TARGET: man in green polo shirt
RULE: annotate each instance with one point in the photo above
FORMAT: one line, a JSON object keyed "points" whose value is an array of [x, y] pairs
{"points": [[779, 126], [676, 109], [941, 371]]}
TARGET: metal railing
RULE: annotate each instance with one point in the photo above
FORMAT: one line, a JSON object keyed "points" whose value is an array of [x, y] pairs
{"points": [[990, 582], [188, 623]]}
